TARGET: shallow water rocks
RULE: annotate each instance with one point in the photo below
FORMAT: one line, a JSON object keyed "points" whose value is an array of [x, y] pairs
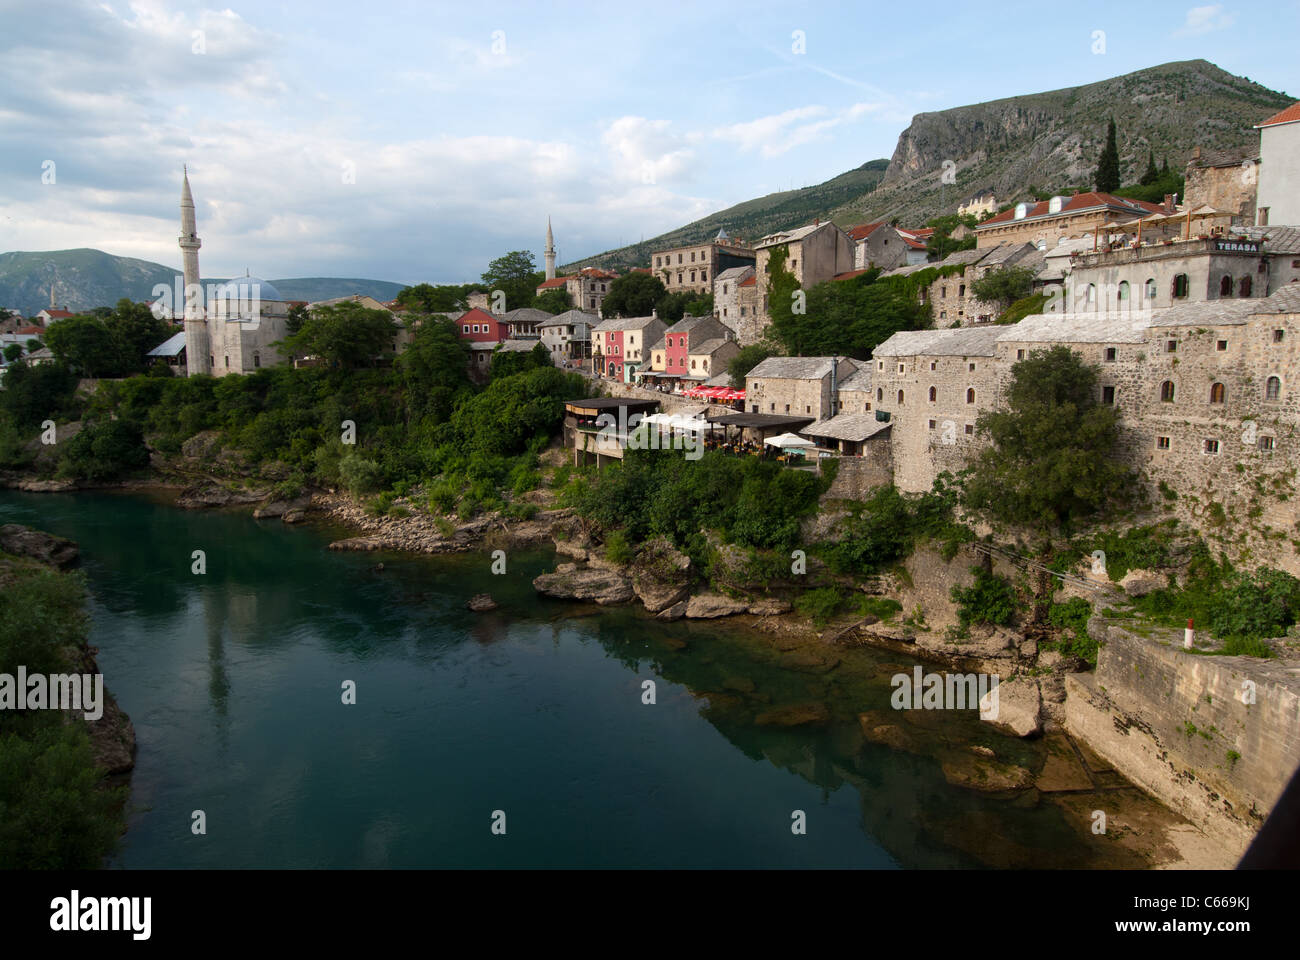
{"points": [[481, 603], [768, 607], [280, 508], [795, 715], [675, 612], [1019, 707], [976, 772], [215, 495], [708, 606], [660, 574], [571, 581], [37, 545]]}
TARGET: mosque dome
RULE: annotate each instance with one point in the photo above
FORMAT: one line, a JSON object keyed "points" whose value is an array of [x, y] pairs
{"points": [[264, 289]]}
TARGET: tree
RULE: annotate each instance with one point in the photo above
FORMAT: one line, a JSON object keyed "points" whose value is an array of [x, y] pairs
{"points": [[1004, 286], [1052, 459], [32, 394], [434, 368], [13, 352], [745, 361], [108, 342], [345, 334], [427, 298], [843, 317], [1152, 174], [506, 363], [633, 295], [515, 275], [297, 317], [941, 244], [84, 344], [1107, 177], [554, 301]]}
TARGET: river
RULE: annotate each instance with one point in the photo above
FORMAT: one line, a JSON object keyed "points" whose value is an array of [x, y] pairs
{"points": [[234, 680]]}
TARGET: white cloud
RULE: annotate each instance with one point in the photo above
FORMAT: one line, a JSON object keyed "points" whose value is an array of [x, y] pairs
{"points": [[1207, 19], [779, 132], [645, 151]]}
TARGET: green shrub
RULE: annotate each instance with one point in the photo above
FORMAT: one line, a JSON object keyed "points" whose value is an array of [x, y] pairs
{"points": [[1071, 618], [520, 510], [990, 599], [820, 604], [617, 548], [881, 607], [104, 451]]}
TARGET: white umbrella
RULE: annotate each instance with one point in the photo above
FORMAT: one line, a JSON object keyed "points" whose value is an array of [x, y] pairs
{"points": [[789, 440]]}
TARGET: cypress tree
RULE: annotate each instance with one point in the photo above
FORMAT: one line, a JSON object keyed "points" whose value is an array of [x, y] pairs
{"points": [[1152, 174], [1108, 163]]}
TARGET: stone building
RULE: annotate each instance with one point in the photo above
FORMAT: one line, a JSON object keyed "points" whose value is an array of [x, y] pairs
{"points": [[1278, 191], [587, 288], [1045, 223], [1224, 180], [726, 293], [877, 245], [798, 386], [815, 254], [567, 336], [620, 346], [693, 268], [931, 386], [981, 203], [952, 301], [523, 323]]}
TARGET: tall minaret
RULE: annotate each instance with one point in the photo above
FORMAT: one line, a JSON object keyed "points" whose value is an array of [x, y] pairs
{"points": [[550, 251], [196, 326]]}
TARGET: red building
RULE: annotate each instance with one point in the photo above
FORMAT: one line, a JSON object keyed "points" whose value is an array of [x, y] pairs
{"points": [[480, 326]]}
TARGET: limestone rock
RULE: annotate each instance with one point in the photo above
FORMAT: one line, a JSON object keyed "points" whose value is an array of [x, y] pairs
{"points": [[278, 508], [795, 715], [707, 606], [46, 486], [1014, 706], [215, 495], [769, 607], [481, 602], [201, 445], [37, 545], [572, 582], [675, 612], [660, 574], [571, 548], [878, 727], [1138, 583]]}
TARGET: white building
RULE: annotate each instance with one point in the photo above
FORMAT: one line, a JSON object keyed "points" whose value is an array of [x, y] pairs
{"points": [[1278, 196]]}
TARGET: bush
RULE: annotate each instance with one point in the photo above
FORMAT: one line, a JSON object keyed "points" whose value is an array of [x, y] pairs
{"points": [[819, 605], [990, 599], [104, 451], [881, 607], [358, 474], [617, 549], [1071, 618]]}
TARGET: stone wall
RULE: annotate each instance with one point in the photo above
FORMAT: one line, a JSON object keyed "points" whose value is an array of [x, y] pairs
{"points": [[1230, 188], [856, 477], [1179, 725]]}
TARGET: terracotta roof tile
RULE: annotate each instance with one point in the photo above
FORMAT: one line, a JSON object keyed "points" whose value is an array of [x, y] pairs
{"points": [[1290, 115]]}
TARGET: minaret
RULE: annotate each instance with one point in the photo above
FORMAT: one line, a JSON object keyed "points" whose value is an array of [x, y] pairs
{"points": [[550, 251], [196, 327]]}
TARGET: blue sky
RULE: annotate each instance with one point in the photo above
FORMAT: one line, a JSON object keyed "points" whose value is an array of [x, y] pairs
{"points": [[415, 141]]}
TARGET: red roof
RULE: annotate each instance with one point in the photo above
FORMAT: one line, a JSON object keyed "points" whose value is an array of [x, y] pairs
{"points": [[864, 230], [748, 282], [1080, 201], [596, 273], [1290, 115], [58, 314], [25, 331], [848, 275], [911, 241], [474, 314], [640, 270], [923, 232], [550, 284]]}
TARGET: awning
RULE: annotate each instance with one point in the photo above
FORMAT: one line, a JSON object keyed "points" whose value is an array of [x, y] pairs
{"points": [[788, 440]]}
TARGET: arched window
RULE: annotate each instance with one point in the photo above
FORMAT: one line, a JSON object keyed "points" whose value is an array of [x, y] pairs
{"points": [[1167, 391], [1181, 286], [1225, 286], [257, 359], [900, 398], [1151, 288], [1217, 393], [1245, 286], [1090, 295], [933, 393], [1123, 290], [880, 395], [970, 394], [1273, 388]]}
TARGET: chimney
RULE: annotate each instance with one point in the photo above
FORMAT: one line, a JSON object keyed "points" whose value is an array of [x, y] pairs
{"points": [[817, 222], [1171, 201]]}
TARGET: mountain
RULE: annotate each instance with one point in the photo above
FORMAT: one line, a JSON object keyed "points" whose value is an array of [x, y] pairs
{"points": [[753, 218], [86, 278], [1047, 142]]}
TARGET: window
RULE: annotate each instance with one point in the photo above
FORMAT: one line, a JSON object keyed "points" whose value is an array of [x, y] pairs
{"points": [[1123, 290], [932, 422], [227, 362], [1244, 288], [679, 278], [1090, 295], [1167, 391], [1266, 443], [880, 364], [1217, 393], [1151, 288], [692, 256], [1211, 447], [467, 328], [971, 367], [1107, 395], [900, 398], [970, 429], [1162, 443], [1020, 354], [1171, 346], [933, 393], [1112, 354], [704, 274], [692, 276], [1273, 389], [257, 359], [943, 314], [1221, 345], [793, 264], [961, 290], [771, 408], [880, 395], [934, 365], [943, 291], [657, 263], [901, 368], [1278, 336], [679, 258], [1181, 286], [1225, 286], [787, 408], [808, 409]]}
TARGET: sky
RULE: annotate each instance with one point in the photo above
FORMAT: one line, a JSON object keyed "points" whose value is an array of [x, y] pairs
{"points": [[417, 141]]}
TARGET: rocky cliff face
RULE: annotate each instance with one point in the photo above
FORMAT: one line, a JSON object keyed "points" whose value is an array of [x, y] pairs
{"points": [[1050, 141]]}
